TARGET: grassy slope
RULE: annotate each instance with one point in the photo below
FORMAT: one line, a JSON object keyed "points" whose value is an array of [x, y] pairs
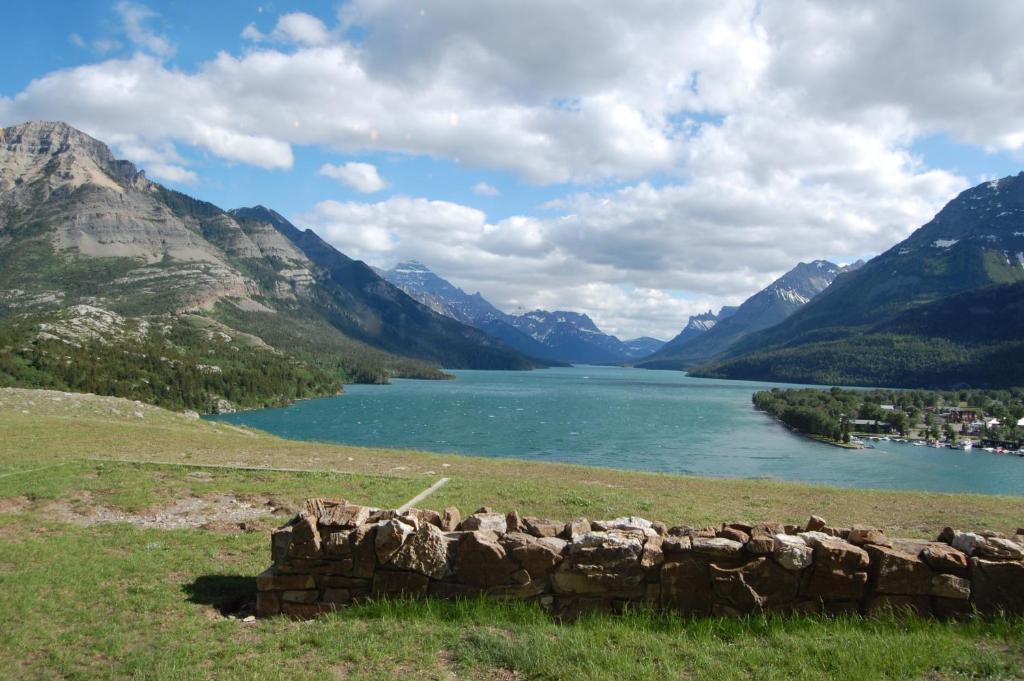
{"points": [[116, 600]]}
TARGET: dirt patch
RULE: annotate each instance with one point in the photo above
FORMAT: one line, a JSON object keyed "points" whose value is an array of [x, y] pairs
{"points": [[216, 512], [14, 504]]}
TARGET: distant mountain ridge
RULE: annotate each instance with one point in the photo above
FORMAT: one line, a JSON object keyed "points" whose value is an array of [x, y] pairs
{"points": [[928, 312], [78, 227], [557, 336], [709, 335]]}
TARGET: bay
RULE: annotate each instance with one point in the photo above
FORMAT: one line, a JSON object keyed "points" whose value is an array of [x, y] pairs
{"points": [[617, 417]]}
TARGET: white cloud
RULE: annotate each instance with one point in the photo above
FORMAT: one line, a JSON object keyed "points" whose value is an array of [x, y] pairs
{"points": [[484, 189], [778, 130], [363, 177], [76, 40], [134, 22]]}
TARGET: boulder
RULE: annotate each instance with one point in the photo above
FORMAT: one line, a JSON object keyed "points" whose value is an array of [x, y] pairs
{"points": [[305, 541], [861, 535], [424, 515], [951, 586], [897, 572], [425, 552], [660, 527], [998, 548], [391, 535], [997, 586], [540, 527], [759, 584], [839, 571], [481, 561], [451, 519], [362, 541], [944, 558], [487, 522], [792, 552]]}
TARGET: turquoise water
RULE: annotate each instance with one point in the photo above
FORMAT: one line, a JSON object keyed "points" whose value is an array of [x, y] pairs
{"points": [[622, 418]]}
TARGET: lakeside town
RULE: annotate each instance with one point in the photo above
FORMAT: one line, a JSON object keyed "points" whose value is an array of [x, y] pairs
{"points": [[989, 420]]}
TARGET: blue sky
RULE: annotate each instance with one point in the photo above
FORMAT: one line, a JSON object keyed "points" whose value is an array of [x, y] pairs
{"points": [[639, 163]]}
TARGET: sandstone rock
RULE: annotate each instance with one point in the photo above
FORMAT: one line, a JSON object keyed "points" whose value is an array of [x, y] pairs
{"points": [[838, 572], [745, 528], [305, 541], [452, 518], [680, 531], [513, 523], [407, 584], [968, 542], [860, 535], [673, 545], [342, 517], [602, 563], [536, 556], [425, 552], [951, 586], [300, 596], [540, 527], [716, 548], [521, 577], [268, 604], [481, 561], [686, 585], [624, 523], [391, 535], [816, 524], [811, 537], [651, 556], [734, 534], [280, 541], [660, 527], [576, 528], [997, 586], [336, 544], [896, 572], [269, 580], [944, 558], [427, 516], [362, 541], [492, 522], [998, 548], [756, 585], [792, 552], [762, 538]]}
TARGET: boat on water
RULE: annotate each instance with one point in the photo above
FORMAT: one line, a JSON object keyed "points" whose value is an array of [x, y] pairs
{"points": [[966, 445], [918, 443]]}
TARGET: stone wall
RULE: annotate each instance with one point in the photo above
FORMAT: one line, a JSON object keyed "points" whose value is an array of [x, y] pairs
{"points": [[335, 553]]}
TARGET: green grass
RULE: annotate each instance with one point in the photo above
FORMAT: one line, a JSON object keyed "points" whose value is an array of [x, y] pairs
{"points": [[119, 601]]}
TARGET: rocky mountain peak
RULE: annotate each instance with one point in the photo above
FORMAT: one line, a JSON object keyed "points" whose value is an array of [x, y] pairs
{"points": [[51, 155]]}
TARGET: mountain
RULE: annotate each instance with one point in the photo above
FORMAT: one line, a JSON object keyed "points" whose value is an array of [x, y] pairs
{"points": [[80, 228], [708, 335], [560, 336], [929, 312]]}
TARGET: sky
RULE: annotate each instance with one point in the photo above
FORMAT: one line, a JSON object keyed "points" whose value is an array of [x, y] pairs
{"points": [[637, 161]]}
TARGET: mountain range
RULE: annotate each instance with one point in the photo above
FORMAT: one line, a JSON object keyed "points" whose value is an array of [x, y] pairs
{"points": [[82, 232], [709, 335], [559, 336], [942, 308]]}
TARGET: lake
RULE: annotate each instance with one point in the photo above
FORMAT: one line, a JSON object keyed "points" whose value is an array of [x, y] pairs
{"points": [[621, 418]]}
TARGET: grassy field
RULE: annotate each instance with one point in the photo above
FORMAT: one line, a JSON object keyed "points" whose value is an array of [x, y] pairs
{"points": [[110, 569]]}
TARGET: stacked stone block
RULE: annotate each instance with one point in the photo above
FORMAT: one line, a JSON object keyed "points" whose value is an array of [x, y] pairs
{"points": [[334, 553]]}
